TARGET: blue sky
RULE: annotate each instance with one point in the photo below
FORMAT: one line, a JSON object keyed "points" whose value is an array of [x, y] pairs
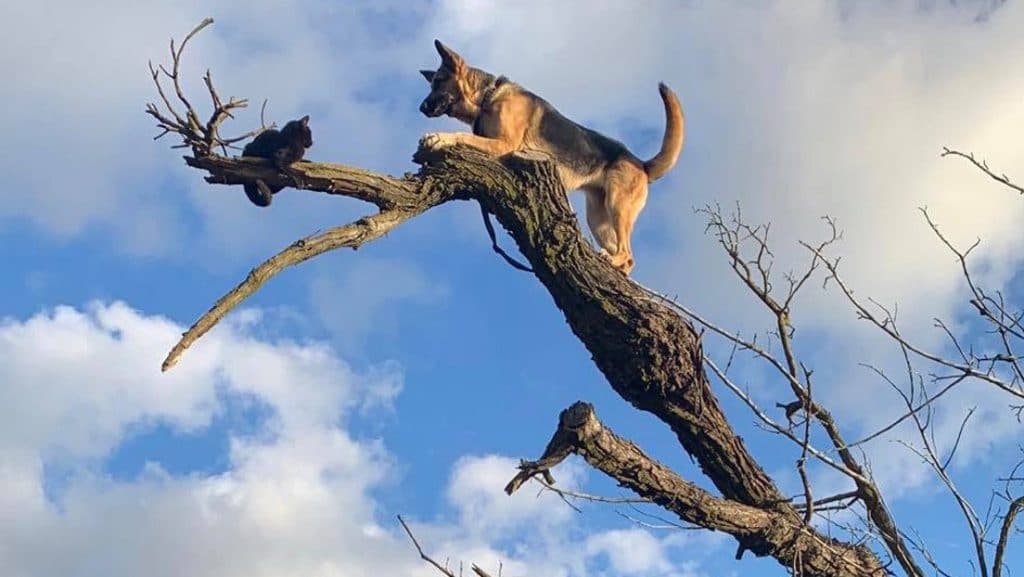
{"points": [[408, 377]]}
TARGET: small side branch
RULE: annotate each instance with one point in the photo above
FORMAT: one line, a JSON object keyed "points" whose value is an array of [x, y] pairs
{"points": [[350, 235], [443, 569], [201, 137], [886, 323], [419, 549], [494, 243]]}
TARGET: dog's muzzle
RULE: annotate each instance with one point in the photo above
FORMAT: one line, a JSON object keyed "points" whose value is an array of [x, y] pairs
{"points": [[436, 105]]}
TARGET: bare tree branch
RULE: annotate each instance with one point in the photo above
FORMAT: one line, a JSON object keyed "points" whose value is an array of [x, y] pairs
{"points": [[569, 494], [983, 166], [442, 568], [781, 534], [929, 455], [494, 244], [755, 271], [351, 236], [419, 549], [888, 327], [1004, 534], [201, 137]]}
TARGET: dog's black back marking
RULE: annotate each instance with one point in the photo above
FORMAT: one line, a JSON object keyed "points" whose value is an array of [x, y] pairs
{"points": [[583, 149]]}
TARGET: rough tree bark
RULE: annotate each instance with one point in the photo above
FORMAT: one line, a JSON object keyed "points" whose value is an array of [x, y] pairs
{"points": [[650, 355]]}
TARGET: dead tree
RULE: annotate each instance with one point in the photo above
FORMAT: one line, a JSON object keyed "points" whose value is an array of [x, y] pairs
{"points": [[649, 348]]}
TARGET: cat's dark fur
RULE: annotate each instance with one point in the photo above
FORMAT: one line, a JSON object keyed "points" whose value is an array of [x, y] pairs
{"points": [[280, 147]]}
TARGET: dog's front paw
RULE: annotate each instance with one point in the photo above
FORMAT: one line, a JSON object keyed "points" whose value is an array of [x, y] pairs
{"points": [[435, 141]]}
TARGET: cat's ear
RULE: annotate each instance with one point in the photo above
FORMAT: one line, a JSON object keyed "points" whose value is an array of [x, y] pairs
{"points": [[304, 120], [428, 74]]}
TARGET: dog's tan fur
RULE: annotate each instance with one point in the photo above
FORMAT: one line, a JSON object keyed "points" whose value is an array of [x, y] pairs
{"points": [[507, 118]]}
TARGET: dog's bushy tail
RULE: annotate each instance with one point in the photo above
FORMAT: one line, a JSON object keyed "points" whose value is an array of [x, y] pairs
{"points": [[672, 143]]}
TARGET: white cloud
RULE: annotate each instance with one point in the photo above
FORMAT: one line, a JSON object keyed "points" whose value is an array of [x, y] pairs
{"points": [[76, 111], [476, 492], [296, 497], [292, 502], [630, 551], [75, 379]]}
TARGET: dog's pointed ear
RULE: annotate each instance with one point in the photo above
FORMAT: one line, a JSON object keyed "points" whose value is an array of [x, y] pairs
{"points": [[304, 120], [428, 74], [449, 58]]}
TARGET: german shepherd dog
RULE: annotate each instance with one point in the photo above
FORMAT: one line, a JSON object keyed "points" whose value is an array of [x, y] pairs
{"points": [[507, 118]]}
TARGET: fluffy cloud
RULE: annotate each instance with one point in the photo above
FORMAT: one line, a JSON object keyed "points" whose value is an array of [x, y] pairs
{"points": [[295, 498], [475, 490], [293, 501], [630, 551]]}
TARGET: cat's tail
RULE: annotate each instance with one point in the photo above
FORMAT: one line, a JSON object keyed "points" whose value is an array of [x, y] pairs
{"points": [[259, 193]]}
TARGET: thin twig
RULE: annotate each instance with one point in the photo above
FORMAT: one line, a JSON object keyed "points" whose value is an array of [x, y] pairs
{"points": [[201, 137], [983, 166], [887, 326], [587, 496], [920, 406], [802, 461], [419, 550], [494, 243]]}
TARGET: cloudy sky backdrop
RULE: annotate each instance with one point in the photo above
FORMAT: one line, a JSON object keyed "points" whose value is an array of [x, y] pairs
{"points": [[409, 377]]}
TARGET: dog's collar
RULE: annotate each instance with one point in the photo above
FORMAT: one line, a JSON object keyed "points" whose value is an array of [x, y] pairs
{"points": [[491, 88]]}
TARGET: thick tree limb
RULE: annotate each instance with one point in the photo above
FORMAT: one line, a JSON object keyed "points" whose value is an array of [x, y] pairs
{"points": [[781, 534], [651, 356], [384, 191], [399, 199]]}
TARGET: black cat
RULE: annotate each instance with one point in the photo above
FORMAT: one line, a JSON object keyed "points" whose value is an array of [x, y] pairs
{"points": [[280, 147]]}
